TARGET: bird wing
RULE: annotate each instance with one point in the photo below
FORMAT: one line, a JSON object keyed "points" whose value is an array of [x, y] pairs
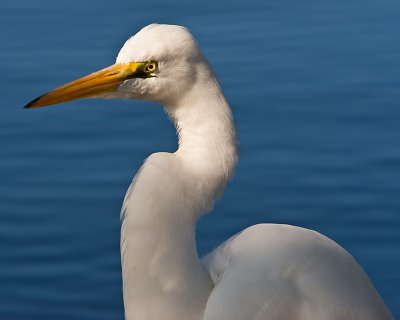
{"points": [[280, 272]]}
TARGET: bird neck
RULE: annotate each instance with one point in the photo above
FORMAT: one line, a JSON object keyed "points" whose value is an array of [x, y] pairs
{"points": [[163, 275], [207, 135]]}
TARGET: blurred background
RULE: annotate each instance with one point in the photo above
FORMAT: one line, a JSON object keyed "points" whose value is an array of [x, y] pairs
{"points": [[314, 86]]}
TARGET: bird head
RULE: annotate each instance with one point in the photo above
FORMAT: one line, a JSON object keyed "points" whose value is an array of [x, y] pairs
{"points": [[159, 63]]}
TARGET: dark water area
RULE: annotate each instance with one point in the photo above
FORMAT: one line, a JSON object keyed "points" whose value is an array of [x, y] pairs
{"points": [[315, 90]]}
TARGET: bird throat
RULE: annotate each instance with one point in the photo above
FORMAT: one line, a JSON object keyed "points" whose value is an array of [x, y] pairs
{"points": [[162, 274]]}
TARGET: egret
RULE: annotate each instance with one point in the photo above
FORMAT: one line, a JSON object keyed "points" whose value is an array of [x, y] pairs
{"points": [[267, 271]]}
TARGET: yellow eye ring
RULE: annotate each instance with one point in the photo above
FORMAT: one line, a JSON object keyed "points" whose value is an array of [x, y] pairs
{"points": [[151, 67]]}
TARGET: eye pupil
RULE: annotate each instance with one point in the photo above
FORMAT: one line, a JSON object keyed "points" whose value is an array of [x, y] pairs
{"points": [[151, 67]]}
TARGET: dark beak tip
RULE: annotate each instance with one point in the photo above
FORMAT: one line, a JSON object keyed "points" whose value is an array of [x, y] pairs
{"points": [[31, 104]]}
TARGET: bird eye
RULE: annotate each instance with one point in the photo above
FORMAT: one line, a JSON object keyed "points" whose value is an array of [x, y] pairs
{"points": [[151, 67]]}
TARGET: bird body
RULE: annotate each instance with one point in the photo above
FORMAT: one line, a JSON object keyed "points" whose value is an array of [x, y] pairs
{"points": [[278, 272], [266, 272]]}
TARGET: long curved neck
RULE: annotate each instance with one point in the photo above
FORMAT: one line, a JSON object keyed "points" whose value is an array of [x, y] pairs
{"points": [[163, 276], [207, 136]]}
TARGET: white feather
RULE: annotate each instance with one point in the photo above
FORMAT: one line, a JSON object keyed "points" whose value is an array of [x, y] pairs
{"points": [[274, 272]]}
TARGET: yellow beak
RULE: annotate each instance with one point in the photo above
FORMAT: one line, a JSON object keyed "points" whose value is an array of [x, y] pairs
{"points": [[100, 82]]}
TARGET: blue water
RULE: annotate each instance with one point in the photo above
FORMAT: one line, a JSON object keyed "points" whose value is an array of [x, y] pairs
{"points": [[315, 89]]}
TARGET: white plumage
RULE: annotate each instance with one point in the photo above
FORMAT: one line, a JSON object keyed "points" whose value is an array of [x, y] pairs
{"points": [[268, 271]]}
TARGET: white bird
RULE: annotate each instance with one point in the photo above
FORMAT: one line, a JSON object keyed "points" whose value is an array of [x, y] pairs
{"points": [[267, 271]]}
